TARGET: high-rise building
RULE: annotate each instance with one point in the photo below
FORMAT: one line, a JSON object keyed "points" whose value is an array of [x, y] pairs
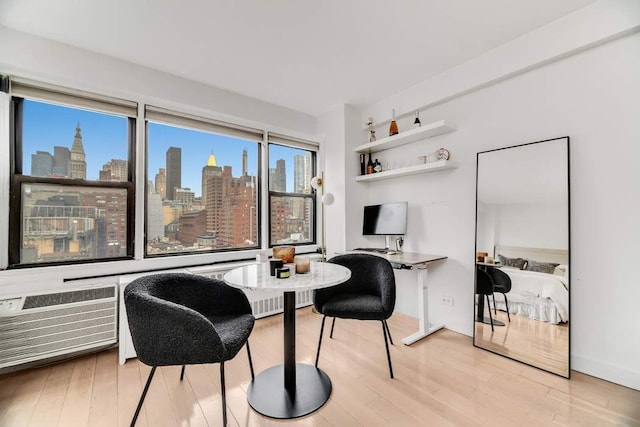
{"points": [[191, 225], [184, 195], [161, 183], [155, 227], [61, 161], [41, 163], [78, 163], [245, 162], [300, 208], [278, 177], [174, 171], [217, 189], [209, 170], [115, 170], [302, 173]]}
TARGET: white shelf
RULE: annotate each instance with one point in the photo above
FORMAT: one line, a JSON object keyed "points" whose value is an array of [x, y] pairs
{"points": [[416, 134], [410, 170]]}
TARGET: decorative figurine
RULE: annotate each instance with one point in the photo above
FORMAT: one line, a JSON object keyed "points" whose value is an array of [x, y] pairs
{"points": [[372, 130]]}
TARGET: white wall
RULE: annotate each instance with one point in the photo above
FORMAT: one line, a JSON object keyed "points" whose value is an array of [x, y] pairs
{"points": [[533, 225], [582, 80], [34, 57]]}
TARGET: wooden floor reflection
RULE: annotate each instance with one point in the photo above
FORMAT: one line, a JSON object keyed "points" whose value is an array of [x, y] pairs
{"points": [[537, 343]]}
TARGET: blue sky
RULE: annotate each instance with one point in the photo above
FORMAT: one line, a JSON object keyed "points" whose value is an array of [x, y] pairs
{"points": [[105, 137]]}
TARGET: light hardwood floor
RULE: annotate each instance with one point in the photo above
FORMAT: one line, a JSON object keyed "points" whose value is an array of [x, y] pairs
{"points": [[541, 344], [440, 380]]}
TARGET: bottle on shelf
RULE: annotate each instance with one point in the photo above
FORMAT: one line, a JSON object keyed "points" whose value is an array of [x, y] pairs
{"points": [[393, 127], [369, 165], [416, 122], [377, 167], [363, 165]]}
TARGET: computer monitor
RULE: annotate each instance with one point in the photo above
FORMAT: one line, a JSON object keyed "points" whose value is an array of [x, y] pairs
{"points": [[388, 219]]}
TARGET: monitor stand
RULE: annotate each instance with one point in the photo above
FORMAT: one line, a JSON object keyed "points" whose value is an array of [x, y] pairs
{"points": [[387, 239]]}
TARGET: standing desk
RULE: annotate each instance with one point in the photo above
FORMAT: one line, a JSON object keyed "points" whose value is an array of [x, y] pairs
{"points": [[420, 263]]}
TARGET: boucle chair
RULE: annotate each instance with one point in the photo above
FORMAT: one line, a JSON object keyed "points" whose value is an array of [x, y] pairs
{"points": [[185, 319], [370, 294]]}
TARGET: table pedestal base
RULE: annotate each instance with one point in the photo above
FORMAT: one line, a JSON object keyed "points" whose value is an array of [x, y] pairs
{"points": [[488, 321], [266, 393]]}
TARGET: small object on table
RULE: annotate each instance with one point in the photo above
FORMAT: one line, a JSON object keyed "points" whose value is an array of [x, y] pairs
{"points": [[285, 253], [480, 256], [282, 273], [274, 264], [303, 264], [292, 268]]}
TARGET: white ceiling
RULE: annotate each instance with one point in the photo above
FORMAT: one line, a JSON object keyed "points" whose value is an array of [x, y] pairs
{"points": [[308, 56]]}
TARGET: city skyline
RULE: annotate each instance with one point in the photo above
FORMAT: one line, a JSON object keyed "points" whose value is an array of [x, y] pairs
{"points": [[105, 139]]}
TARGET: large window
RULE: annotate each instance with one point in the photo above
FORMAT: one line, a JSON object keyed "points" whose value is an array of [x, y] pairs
{"points": [[209, 186], [291, 199], [203, 185], [72, 183]]}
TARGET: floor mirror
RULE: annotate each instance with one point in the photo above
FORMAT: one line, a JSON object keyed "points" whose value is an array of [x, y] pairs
{"points": [[522, 289]]}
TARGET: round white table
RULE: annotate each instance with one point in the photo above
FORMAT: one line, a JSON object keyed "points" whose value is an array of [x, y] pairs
{"points": [[292, 389]]}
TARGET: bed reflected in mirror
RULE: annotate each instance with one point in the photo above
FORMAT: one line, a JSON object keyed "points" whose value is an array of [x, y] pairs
{"points": [[522, 254]]}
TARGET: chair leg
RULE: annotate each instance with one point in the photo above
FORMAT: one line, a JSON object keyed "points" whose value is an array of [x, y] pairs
{"points": [[320, 339], [333, 324], [490, 318], [144, 394], [253, 377], [507, 304], [386, 345], [495, 309], [386, 325], [182, 373], [224, 395]]}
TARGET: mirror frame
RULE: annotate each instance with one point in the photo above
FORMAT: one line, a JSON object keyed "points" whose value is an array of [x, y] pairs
{"points": [[569, 265]]}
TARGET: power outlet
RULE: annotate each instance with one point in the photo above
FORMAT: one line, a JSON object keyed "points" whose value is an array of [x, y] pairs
{"points": [[446, 300]]}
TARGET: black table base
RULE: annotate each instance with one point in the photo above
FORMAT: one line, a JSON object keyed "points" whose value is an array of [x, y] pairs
{"points": [[268, 396], [488, 321]]}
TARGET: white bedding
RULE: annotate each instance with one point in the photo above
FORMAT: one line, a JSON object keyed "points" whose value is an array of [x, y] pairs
{"points": [[528, 286]]}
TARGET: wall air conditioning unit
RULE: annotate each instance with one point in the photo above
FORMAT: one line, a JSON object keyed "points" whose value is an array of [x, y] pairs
{"points": [[81, 315]]}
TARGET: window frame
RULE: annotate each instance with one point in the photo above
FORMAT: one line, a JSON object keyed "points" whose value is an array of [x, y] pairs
{"points": [[18, 178], [166, 117], [283, 141]]}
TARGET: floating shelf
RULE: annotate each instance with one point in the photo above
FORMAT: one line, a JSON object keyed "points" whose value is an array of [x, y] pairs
{"points": [[410, 170], [423, 132]]}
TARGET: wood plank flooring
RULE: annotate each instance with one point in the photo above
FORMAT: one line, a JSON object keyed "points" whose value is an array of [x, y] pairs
{"points": [[531, 341], [440, 380]]}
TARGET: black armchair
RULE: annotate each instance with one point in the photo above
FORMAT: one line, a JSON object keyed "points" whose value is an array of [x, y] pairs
{"points": [[502, 284], [185, 319], [370, 294]]}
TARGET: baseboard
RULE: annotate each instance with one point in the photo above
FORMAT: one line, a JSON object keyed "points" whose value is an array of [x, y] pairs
{"points": [[612, 373]]}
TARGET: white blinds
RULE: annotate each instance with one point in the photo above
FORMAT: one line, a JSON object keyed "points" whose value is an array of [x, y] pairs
{"points": [[164, 116], [292, 142], [72, 97]]}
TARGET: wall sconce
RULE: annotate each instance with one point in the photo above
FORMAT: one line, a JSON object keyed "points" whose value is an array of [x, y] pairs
{"points": [[327, 199]]}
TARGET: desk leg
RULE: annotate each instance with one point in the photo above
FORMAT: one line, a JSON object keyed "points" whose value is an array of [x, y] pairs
{"points": [[275, 393], [425, 328]]}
